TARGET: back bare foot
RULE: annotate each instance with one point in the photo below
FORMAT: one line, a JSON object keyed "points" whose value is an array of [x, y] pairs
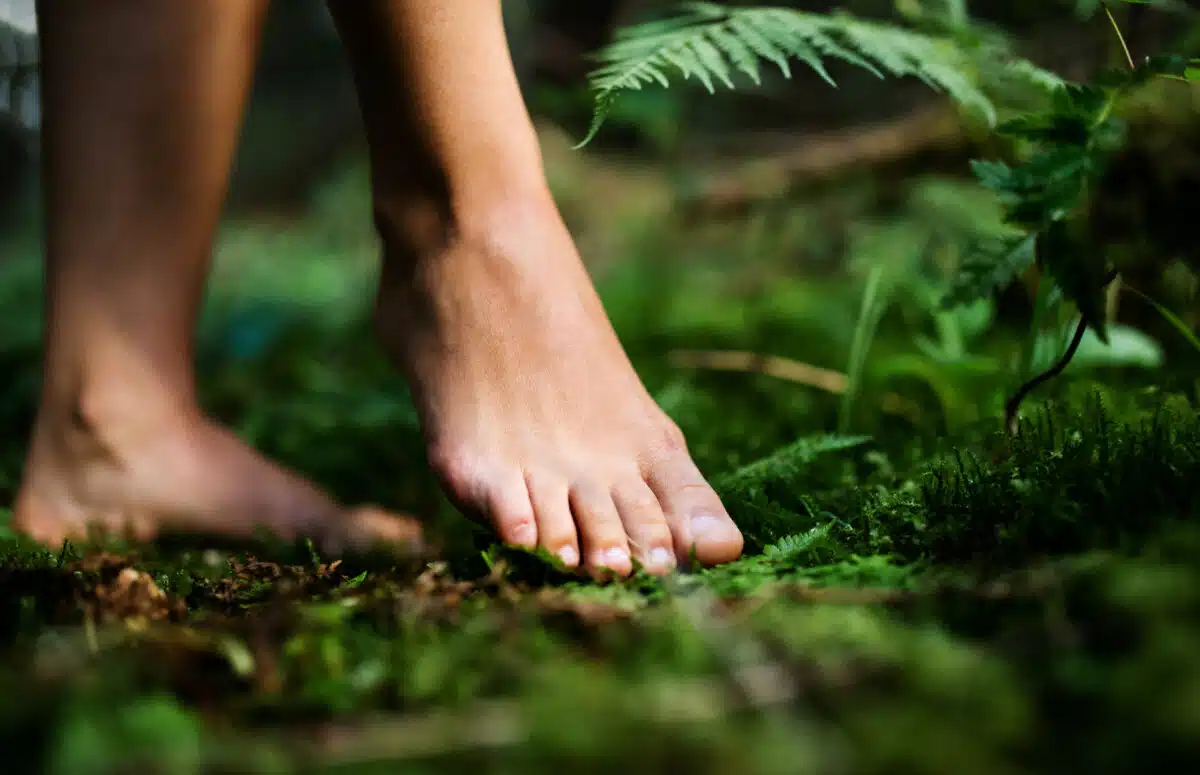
{"points": [[142, 101], [178, 474], [534, 416]]}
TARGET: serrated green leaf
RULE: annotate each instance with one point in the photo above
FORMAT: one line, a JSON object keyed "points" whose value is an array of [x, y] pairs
{"points": [[993, 175], [991, 264], [1049, 128], [1073, 269]]}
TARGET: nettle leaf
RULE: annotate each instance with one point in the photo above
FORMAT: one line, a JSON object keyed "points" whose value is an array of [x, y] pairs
{"points": [[996, 176], [1069, 129], [991, 264], [1082, 99], [1069, 262], [1108, 136], [1067, 149], [1047, 187]]}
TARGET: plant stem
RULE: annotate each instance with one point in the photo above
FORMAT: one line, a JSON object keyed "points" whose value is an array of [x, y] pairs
{"points": [[1120, 36], [1013, 405]]}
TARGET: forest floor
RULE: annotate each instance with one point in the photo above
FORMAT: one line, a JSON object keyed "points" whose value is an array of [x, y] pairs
{"points": [[921, 592]]}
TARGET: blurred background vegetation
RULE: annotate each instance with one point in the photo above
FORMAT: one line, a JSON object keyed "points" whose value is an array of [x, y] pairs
{"points": [[813, 178]]}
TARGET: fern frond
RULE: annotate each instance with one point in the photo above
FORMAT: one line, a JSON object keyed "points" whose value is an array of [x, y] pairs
{"points": [[1026, 72], [788, 461], [712, 43]]}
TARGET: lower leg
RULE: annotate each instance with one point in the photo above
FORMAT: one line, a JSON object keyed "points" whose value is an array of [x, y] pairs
{"points": [[534, 416], [142, 101]]}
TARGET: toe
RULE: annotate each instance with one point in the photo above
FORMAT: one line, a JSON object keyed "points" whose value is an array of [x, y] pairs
{"points": [[370, 526], [552, 509], [605, 546], [510, 511], [645, 525], [495, 494], [140, 525], [698, 520]]}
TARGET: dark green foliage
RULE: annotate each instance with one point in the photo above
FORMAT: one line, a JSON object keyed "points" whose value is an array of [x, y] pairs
{"points": [[992, 262], [1063, 147], [1066, 150]]}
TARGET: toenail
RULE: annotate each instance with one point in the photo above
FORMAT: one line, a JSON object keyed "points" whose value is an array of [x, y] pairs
{"points": [[569, 556], [661, 558], [704, 525], [525, 535], [614, 558]]}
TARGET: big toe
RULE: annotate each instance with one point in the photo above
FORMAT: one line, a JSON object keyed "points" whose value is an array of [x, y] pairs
{"points": [[700, 525]]}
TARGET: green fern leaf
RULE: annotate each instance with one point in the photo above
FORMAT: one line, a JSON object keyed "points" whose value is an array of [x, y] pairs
{"points": [[762, 46], [1022, 71], [739, 52], [711, 43]]}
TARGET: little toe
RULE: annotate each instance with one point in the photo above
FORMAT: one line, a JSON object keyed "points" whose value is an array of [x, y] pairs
{"points": [[605, 546], [552, 509], [697, 518], [645, 525]]}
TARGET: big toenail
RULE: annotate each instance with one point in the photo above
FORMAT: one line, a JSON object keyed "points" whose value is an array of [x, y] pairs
{"points": [[569, 556], [705, 524], [615, 558], [661, 558]]}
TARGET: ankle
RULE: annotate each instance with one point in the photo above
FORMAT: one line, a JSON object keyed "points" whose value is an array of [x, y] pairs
{"points": [[417, 231], [106, 417]]}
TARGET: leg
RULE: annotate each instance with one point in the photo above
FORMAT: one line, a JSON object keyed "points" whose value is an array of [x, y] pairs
{"points": [[533, 414], [142, 104]]}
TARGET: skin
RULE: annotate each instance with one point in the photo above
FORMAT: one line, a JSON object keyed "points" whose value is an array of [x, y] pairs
{"points": [[534, 417]]}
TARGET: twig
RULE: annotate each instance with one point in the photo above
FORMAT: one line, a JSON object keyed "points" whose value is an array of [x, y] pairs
{"points": [[1120, 36], [813, 159], [832, 382], [770, 365]]}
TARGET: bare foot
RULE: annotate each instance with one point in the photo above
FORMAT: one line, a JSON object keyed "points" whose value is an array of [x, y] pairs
{"points": [[534, 416], [178, 473]]}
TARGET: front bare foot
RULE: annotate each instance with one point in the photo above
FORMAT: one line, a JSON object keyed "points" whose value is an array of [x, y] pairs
{"points": [[534, 416], [177, 472]]}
